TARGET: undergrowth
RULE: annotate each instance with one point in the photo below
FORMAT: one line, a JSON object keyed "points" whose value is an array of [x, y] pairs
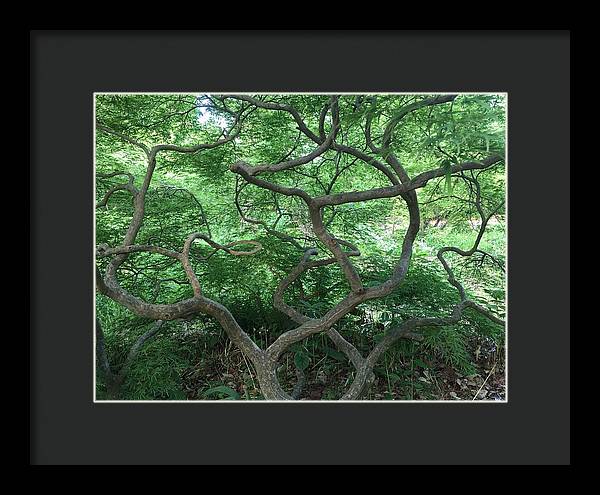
{"points": [[194, 359]]}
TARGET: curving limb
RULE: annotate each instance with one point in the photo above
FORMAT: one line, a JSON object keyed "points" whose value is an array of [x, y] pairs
{"points": [[270, 229], [128, 186], [185, 255], [305, 264]]}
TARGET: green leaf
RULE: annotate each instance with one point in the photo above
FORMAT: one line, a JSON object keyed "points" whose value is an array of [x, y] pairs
{"points": [[335, 354], [380, 371], [393, 377], [222, 391], [447, 168], [387, 316], [301, 360]]}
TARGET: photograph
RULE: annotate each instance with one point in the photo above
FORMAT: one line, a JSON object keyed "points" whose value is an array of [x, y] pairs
{"points": [[301, 247]]}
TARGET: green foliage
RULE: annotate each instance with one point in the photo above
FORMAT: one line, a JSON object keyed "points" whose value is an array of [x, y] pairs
{"points": [[301, 360], [221, 392], [155, 373], [195, 193], [449, 343]]}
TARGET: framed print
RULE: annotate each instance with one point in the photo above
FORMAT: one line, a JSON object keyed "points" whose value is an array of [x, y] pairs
{"points": [[318, 260]]}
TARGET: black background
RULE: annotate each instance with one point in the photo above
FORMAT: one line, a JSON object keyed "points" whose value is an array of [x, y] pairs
{"points": [[66, 427]]}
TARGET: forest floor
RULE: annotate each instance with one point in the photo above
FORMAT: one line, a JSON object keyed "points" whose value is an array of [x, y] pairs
{"points": [[225, 373]]}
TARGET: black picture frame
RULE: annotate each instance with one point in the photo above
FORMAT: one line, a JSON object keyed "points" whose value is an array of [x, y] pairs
{"points": [[67, 67]]}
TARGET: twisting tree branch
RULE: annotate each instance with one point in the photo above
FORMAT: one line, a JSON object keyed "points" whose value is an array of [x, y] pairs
{"points": [[401, 185], [109, 284], [128, 186], [408, 327]]}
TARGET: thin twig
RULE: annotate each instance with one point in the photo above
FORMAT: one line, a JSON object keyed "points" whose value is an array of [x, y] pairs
{"points": [[485, 381]]}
